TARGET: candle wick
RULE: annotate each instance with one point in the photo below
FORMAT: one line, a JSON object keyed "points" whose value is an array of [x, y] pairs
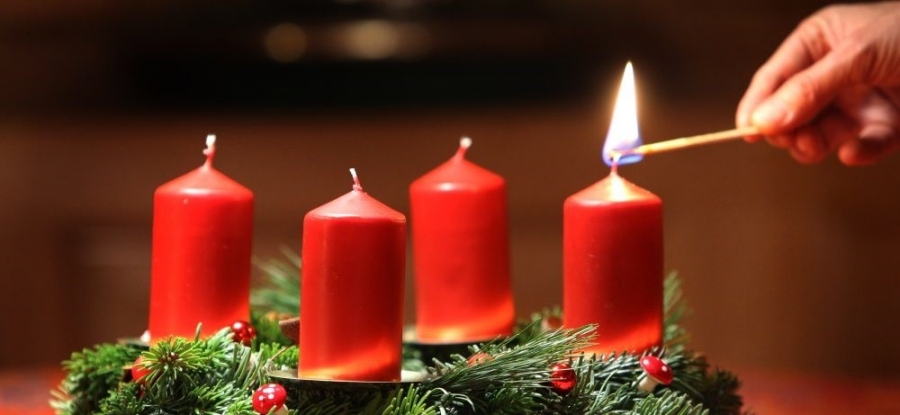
{"points": [[356, 185], [614, 168], [210, 150], [464, 144]]}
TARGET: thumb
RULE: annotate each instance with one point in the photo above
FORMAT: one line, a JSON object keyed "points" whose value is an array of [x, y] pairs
{"points": [[802, 96]]}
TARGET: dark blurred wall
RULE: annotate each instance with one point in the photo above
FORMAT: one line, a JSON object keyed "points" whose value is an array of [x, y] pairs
{"points": [[785, 265]]}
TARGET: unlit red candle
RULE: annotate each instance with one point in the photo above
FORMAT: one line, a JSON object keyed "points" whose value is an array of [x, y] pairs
{"points": [[458, 214], [200, 269], [354, 258]]}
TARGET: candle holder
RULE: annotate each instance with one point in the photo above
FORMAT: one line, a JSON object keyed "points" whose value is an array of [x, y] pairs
{"points": [[440, 350], [292, 382], [134, 342]]}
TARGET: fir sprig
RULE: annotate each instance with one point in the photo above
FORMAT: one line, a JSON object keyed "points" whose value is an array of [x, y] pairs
{"points": [[675, 310], [218, 376], [280, 292], [488, 385], [90, 375]]}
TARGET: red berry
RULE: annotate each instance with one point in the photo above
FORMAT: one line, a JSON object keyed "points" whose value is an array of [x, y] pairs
{"points": [[562, 378], [138, 370], [243, 332], [269, 396]]}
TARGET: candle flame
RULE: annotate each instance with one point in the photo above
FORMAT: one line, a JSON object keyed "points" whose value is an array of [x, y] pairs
{"points": [[623, 129]]}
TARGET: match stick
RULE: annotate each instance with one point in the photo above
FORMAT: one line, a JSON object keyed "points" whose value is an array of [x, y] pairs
{"points": [[684, 142]]}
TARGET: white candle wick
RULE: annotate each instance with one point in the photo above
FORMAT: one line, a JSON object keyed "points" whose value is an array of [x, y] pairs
{"points": [[616, 156], [464, 144], [356, 185], [210, 150]]}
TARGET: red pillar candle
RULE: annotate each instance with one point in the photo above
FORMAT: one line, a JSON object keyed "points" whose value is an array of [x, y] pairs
{"points": [[200, 270], [461, 253], [613, 248], [613, 264], [351, 301]]}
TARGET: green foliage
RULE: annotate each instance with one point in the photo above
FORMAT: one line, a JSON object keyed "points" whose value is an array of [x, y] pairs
{"points": [[668, 403], [409, 401], [511, 370], [267, 328], [281, 292], [218, 376], [675, 310], [91, 374], [719, 391]]}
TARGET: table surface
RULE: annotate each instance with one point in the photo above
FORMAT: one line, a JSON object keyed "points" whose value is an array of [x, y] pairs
{"points": [[26, 392]]}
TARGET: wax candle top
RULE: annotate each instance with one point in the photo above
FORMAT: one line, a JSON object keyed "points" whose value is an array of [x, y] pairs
{"points": [[357, 203], [613, 189], [206, 179], [459, 173]]}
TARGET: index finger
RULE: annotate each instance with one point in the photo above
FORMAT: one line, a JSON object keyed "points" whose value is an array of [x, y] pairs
{"points": [[799, 50]]}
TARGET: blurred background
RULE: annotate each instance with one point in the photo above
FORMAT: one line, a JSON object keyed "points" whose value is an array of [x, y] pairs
{"points": [[786, 266]]}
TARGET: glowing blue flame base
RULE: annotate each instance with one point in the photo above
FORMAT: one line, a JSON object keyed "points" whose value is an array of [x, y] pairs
{"points": [[624, 159]]}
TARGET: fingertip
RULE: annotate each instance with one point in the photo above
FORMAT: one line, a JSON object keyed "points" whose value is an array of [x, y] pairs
{"points": [[850, 154], [769, 116], [780, 140], [742, 120], [803, 158], [808, 147], [865, 152]]}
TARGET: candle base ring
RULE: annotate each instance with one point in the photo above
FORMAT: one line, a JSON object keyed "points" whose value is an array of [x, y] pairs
{"points": [[134, 342], [441, 350], [290, 380]]}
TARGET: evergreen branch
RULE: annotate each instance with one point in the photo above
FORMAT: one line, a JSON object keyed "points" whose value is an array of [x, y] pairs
{"points": [[281, 293], [675, 310], [720, 393], [218, 376], [91, 375], [267, 328], [668, 403], [124, 400], [309, 405], [409, 401], [525, 367]]}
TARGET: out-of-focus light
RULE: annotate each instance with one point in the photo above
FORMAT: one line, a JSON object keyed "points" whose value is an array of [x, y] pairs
{"points": [[285, 42], [370, 39], [379, 39]]}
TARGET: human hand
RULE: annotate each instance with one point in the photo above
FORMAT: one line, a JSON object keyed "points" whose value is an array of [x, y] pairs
{"points": [[832, 85]]}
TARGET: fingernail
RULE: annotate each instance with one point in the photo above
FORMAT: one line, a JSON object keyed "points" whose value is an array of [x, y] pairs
{"points": [[769, 113]]}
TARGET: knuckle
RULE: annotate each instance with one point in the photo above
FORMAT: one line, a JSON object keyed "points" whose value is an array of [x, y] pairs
{"points": [[804, 90], [768, 74], [830, 12], [863, 57]]}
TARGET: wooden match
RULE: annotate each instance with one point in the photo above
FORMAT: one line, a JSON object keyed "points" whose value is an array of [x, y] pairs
{"points": [[684, 142]]}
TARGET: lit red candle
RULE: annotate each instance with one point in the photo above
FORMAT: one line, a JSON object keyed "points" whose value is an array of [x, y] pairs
{"points": [[351, 302], [613, 249], [202, 236], [460, 242]]}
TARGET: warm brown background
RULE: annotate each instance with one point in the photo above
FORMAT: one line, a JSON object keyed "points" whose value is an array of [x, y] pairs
{"points": [[786, 266]]}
